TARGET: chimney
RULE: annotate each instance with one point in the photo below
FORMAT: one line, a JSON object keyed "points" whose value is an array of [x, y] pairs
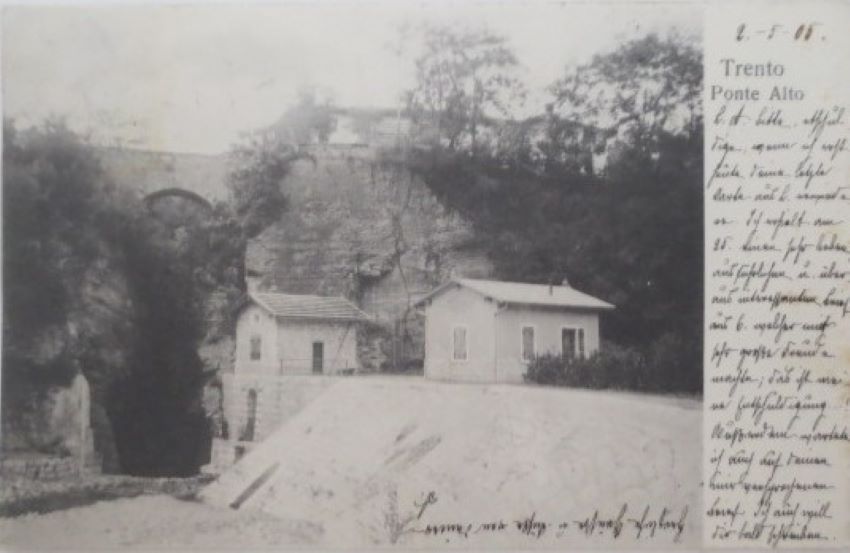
{"points": [[565, 282], [550, 289]]}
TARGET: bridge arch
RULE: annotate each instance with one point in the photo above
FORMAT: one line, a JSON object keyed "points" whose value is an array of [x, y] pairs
{"points": [[179, 193]]}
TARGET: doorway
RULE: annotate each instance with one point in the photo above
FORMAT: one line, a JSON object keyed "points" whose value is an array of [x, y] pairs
{"points": [[568, 343], [251, 422], [318, 357]]}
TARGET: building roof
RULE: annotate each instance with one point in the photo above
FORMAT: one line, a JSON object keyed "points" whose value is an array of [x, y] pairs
{"points": [[522, 293], [297, 306]]}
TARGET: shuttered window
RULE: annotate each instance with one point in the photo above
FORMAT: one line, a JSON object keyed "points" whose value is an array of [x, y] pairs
{"points": [[460, 348], [568, 343], [256, 347], [581, 343], [528, 352], [572, 343]]}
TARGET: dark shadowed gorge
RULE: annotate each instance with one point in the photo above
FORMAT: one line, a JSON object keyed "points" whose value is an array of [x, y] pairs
{"points": [[100, 284]]}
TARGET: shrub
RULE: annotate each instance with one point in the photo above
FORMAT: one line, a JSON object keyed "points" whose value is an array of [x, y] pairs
{"points": [[612, 367], [667, 367], [546, 369]]}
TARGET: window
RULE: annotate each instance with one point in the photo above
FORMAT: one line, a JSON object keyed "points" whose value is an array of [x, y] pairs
{"points": [[581, 343], [572, 343], [568, 343], [460, 350], [256, 347], [318, 357], [528, 350]]}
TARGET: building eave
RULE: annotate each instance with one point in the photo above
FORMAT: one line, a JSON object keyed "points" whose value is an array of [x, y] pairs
{"points": [[457, 284], [359, 319], [358, 315], [438, 291], [557, 307]]}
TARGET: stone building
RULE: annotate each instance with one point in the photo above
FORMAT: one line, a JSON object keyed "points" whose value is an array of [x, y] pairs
{"points": [[284, 344]]}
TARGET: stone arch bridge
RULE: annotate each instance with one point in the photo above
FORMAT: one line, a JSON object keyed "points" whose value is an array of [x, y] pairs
{"points": [[200, 178]]}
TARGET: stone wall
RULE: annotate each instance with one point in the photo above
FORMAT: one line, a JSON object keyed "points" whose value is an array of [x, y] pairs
{"points": [[279, 399], [40, 468]]}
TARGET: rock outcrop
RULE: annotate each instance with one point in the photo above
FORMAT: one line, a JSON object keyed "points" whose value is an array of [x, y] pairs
{"points": [[68, 420], [360, 224], [51, 436]]}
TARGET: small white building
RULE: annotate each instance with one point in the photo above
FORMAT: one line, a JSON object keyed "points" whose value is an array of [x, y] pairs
{"points": [[283, 341], [279, 334], [488, 331]]}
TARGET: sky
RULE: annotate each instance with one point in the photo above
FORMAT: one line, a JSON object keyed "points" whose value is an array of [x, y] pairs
{"points": [[193, 78]]}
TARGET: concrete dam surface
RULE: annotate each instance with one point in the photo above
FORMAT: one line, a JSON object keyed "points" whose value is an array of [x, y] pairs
{"points": [[379, 460]]}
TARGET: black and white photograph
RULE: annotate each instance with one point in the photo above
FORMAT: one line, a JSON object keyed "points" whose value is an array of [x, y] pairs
{"points": [[352, 275]]}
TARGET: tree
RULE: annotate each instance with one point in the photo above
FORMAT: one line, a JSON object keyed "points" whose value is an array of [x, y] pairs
{"points": [[50, 181], [646, 88], [632, 236], [94, 284], [258, 167], [464, 80]]}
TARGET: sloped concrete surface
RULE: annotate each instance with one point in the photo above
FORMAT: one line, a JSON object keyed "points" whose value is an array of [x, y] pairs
{"points": [[361, 459]]}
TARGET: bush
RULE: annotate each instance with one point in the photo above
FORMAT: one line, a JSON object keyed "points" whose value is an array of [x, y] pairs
{"points": [[93, 283], [612, 367]]}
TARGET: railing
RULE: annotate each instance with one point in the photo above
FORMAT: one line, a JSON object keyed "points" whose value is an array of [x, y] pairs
{"points": [[306, 366], [300, 366]]}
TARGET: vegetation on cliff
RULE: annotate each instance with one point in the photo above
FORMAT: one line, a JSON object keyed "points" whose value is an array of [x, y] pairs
{"points": [[631, 233], [603, 188], [94, 283], [125, 291]]}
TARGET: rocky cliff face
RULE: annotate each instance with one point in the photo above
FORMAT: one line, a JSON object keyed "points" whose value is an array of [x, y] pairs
{"points": [[55, 422], [102, 327], [69, 418], [105, 289], [359, 224]]}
